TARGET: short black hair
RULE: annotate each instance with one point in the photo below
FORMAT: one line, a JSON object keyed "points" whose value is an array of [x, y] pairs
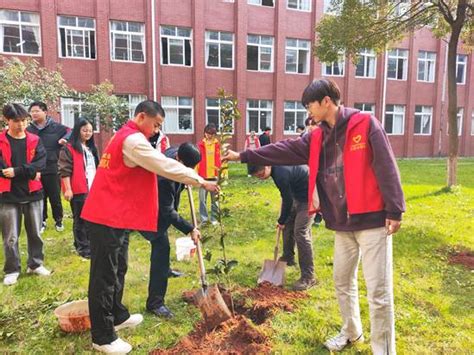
{"points": [[253, 169], [151, 108], [267, 129], [300, 126], [40, 104], [307, 121], [210, 128], [15, 112], [189, 154], [318, 90]]}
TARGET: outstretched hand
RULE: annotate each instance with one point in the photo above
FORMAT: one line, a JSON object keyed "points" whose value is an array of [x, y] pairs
{"points": [[231, 156]]}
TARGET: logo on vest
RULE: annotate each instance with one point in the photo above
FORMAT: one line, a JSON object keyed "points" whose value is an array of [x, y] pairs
{"points": [[357, 143], [32, 153], [105, 161]]}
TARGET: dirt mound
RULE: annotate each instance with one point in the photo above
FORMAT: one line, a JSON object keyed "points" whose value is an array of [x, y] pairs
{"points": [[465, 258]]}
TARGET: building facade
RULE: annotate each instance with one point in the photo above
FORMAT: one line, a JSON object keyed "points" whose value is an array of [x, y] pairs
{"points": [[180, 52]]}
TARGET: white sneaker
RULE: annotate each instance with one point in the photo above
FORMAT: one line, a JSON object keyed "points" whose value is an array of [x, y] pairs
{"points": [[133, 321], [11, 279], [40, 270], [214, 223], [340, 341], [116, 347]]}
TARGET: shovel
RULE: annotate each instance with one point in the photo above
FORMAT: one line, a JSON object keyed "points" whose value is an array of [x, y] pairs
{"points": [[209, 298], [273, 271]]}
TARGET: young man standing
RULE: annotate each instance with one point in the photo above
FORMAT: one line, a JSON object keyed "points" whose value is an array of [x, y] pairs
{"points": [[22, 157], [124, 197], [52, 136], [264, 138], [352, 166]]}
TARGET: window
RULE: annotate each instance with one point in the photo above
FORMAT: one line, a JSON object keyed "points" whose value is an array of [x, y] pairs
{"points": [[71, 110], [331, 7], [133, 101], [19, 32], [472, 124], [394, 119], [176, 46], [400, 9], [261, 2], [423, 115], [302, 5], [366, 64], [219, 50], [259, 115], [213, 112], [426, 66], [128, 41], [459, 117], [335, 68], [297, 56], [76, 37], [259, 53], [397, 64], [365, 108], [295, 115], [179, 114], [461, 64]]}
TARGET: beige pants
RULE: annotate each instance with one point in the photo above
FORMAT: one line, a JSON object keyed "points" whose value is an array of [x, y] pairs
{"points": [[374, 247]]}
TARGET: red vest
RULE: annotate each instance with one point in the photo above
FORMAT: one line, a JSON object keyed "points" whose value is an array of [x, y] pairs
{"points": [[6, 154], [164, 144], [202, 170], [255, 141], [362, 190], [78, 178], [122, 197]]}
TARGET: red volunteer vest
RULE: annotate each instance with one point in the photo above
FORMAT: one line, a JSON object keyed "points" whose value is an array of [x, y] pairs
{"points": [[362, 190], [255, 141], [6, 154], [78, 178], [122, 197], [202, 171], [164, 144]]}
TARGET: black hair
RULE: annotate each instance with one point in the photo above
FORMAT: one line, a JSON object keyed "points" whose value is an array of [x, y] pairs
{"points": [[300, 126], [210, 128], [15, 112], [253, 169], [318, 90], [189, 154], [151, 108], [307, 121], [40, 104], [267, 129], [75, 139]]}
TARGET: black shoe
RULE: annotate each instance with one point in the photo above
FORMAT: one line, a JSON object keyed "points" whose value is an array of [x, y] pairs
{"points": [[174, 273], [162, 311]]}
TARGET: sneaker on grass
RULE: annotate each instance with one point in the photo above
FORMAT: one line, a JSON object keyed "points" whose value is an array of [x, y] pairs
{"points": [[341, 341], [118, 346], [40, 270], [11, 279]]}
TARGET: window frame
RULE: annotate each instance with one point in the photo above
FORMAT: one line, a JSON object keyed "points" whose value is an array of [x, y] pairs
{"points": [[76, 28], [464, 65], [298, 48], [298, 5], [76, 101], [397, 57], [218, 109], [129, 42], [364, 104], [460, 118], [421, 115], [259, 109], [260, 45], [425, 60], [20, 24], [219, 42], [365, 56], [394, 112], [177, 107], [260, 3], [325, 66], [299, 108]]}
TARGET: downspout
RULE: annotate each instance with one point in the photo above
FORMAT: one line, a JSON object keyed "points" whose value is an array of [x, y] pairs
{"points": [[153, 47], [384, 91]]}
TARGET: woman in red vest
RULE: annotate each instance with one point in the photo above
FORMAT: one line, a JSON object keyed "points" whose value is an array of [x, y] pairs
{"points": [[77, 163]]}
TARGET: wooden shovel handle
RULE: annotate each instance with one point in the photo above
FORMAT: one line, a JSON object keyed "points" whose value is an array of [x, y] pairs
{"points": [[277, 243]]}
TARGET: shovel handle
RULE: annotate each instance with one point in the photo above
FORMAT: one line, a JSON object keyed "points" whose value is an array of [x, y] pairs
{"points": [[277, 243], [202, 268]]}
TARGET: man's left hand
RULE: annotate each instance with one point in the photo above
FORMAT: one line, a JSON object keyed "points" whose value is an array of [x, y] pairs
{"points": [[210, 186], [392, 226], [8, 173]]}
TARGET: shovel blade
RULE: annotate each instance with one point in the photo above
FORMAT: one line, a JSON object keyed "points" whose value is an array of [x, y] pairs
{"points": [[273, 272], [212, 306]]}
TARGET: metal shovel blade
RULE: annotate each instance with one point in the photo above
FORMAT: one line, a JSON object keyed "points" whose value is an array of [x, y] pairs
{"points": [[273, 272], [212, 305]]}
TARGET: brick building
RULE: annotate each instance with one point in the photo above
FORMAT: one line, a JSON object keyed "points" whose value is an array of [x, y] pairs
{"points": [[180, 51]]}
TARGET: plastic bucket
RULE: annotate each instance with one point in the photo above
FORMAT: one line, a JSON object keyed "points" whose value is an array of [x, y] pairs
{"points": [[73, 317], [185, 248]]}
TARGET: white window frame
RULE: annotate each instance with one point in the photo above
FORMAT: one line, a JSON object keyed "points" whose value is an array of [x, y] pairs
{"points": [[398, 54], [259, 3], [364, 107], [366, 55], [426, 112], [177, 37], [397, 111], [85, 36], [20, 25], [129, 35], [259, 109], [341, 64], [301, 45], [429, 65], [460, 118], [76, 104], [177, 106], [299, 5], [218, 109], [219, 42], [133, 100], [259, 45], [297, 108], [462, 63], [472, 123], [327, 6]]}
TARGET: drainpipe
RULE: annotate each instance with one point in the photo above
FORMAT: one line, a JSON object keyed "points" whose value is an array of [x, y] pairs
{"points": [[384, 92], [153, 46]]}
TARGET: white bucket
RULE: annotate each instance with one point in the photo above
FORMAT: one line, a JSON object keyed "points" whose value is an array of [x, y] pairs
{"points": [[185, 248]]}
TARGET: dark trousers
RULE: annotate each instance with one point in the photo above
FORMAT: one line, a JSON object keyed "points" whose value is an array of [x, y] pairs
{"points": [[81, 238], [52, 192], [109, 259], [159, 267]]}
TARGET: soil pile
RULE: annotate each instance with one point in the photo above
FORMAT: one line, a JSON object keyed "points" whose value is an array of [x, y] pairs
{"points": [[465, 258]]}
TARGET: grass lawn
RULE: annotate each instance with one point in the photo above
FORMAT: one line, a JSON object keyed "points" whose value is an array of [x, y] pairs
{"points": [[433, 300]]}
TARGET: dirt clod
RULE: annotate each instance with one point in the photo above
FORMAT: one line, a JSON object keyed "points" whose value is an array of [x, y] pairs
{"points": [[465, 258]]}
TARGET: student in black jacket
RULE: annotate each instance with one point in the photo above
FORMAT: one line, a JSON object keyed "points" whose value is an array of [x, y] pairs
{"points": [[169, 196]]}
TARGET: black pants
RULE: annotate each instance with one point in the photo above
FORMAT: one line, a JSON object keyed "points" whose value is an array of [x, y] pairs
{"points": [[159, 267], [52, 191], [81, 238], [109, 258]]}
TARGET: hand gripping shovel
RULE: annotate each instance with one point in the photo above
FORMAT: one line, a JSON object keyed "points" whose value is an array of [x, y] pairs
{"points": [[273, 271], [209, 298]]}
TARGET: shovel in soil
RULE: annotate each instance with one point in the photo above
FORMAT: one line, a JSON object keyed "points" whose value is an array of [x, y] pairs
{"points": [[273, 271], [209, 298]]}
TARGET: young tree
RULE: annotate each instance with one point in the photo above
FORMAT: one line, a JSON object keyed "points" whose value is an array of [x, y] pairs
{"points": [[357, 24]]}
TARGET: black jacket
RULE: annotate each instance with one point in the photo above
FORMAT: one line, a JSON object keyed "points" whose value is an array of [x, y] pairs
{"points": [[50, 134]]}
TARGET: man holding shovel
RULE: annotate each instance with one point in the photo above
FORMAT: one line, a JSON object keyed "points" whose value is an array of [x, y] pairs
{"points": [[353, 167]]}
